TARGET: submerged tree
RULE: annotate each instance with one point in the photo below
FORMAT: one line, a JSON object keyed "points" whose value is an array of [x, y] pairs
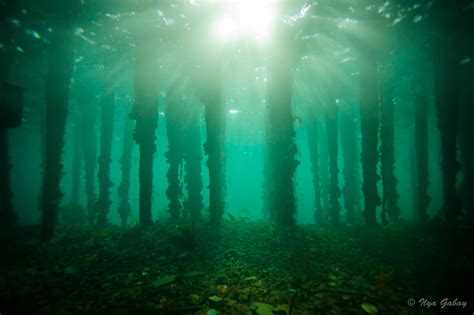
{"points": [[466, 136], [105, 158], [369, 121], [387, 148], [421, 150], [350, 152], [61, 67], [88, 110], [281, 146], [213, 147], [145, 111], [124, 208], [76, 161], [447, 85], [333, 143], [175, 154], [313, 144], [74, 214], [193, 204], [183, 130], [7, 214]]}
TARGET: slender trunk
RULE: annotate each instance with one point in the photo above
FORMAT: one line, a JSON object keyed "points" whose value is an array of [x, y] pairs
{"points": [[332, 137], [421, 150], [323, 172], [447, 105], [448, 16], [213, 147], [282, 148], [466, 136], [387, 148], [351, 171], [7, 215], [175, 154], [61, 67], [146, 114], [89, 150], [124, 208], [192, 159], [106, 135], [369, 118], [76, 162], [313, 143]]}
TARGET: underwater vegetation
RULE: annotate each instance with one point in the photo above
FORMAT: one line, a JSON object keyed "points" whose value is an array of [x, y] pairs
{"points": [[236, 156]]}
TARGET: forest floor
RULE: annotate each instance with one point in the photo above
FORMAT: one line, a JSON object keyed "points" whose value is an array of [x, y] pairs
{"points": [[244, 268]]}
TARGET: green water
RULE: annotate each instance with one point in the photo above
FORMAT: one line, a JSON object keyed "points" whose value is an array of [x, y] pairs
{"points": [[236, 157]]}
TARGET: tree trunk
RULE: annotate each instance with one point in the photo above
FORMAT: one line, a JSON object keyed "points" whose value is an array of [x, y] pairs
{"points": [[192, 159], [421, 150], [76, 162], [106, 136], [369, 118], [282, 148], [89, 150], [175, 154], [332, 137], [7, 215], [448, 16], [313, 143], [61, 67], [351, 190], [447, 105], [466, 136], [124, 208], [387, 148], [146, 114], [213, 148]]}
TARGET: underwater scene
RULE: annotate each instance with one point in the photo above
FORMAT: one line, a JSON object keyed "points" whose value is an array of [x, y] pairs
{"points": [[261, 157]]}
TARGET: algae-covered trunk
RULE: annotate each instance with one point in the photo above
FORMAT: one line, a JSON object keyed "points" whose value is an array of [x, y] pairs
{"points": [[332, 138], [61, 66], [421, 151], [124, 208], [105, 158], [192, 166], [89, 151], [313, 144], [175, 153], [447, 105], [369, 119], [350, 152], [466, 137], [7, 215], [213, 147], [447, 85], [76, 161], [280, 138], [145, 112], [390, 209]]}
